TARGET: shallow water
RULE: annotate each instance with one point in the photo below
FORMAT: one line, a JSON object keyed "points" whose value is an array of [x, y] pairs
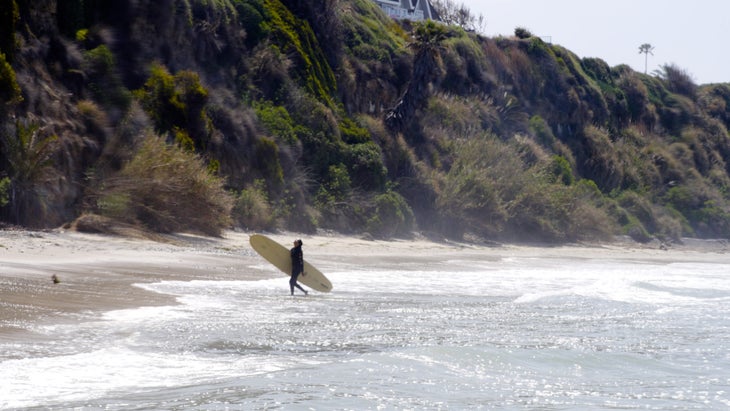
{"points": [[513, 333]]}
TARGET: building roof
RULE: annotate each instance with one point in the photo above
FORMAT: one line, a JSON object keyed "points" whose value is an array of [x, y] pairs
{"points": [[408, 9]]}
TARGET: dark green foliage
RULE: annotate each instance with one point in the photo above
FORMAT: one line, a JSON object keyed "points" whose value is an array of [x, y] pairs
{"points": [[252, 15], [103, 79], [277, 121], [707, 214], [5, 190], [522, 33], [10, 93], [392, 216], [366, 166], [176, 101], [561, 171], [337, 187], [352, 133], [295, 37], [542, 131]]}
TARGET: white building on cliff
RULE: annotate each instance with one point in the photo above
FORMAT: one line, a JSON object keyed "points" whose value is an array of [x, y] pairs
{"points": [[408, 9]]}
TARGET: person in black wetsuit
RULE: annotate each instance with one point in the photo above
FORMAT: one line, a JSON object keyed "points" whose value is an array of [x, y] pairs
{"points": [[297, 266]]}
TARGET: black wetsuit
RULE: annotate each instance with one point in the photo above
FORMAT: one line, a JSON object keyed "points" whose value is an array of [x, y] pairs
{"points": [[297, 266]]}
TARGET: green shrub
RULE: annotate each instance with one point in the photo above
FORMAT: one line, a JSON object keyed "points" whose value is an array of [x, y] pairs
{"points": [[103, 79], [252, 16], [561, 171], [252, 209], [159, 100], [522, 33], [167, 189], [336, 188], [277, 121], [366, 166], [176, 101], [10, 93], [640, 207], [542, 131], [683, 199], [392, 216], [4, 191], [352, 133]]}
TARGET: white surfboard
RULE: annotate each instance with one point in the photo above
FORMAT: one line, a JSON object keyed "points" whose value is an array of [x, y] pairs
{"points": [[279, 256]]}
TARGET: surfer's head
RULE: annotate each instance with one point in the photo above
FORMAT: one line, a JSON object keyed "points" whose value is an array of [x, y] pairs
{"points": [[298, 243]]}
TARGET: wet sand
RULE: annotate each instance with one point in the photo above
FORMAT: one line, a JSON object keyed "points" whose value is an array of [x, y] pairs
{"points": [[97, 272]]}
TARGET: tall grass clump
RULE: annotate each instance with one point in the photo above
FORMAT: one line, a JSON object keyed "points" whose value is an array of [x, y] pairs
{"points": [[167, 189], [251, 208]]}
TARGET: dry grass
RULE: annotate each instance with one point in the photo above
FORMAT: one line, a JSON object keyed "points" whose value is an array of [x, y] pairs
{"points": [[167, 189]]}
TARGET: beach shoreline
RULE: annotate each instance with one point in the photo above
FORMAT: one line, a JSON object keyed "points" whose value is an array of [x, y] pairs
{"points": [[97, 272]]}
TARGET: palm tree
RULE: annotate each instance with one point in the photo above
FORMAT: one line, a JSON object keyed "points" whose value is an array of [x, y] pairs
{"points": [[646, 49], [426, 65]]}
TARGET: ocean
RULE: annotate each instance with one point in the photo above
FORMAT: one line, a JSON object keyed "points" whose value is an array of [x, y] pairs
{"points": [[468, 333]]}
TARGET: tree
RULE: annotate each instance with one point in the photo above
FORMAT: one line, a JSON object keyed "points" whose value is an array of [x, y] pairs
{"points": [[449, 12], [646, 49], [428, 37]]}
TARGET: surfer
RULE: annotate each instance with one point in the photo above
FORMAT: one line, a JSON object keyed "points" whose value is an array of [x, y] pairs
{"points": [[297, 266]]}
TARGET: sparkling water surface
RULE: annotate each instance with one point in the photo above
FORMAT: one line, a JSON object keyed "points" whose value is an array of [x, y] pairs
{"points": [[512, 333]]}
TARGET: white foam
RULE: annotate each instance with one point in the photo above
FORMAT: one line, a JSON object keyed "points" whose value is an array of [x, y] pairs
{"points": [[155, 347]]}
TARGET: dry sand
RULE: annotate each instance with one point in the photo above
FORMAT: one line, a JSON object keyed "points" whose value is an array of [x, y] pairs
{"points": [[97, 272]]}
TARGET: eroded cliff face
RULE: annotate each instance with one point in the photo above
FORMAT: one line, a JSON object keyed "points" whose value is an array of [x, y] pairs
{"points": [[76, 81], [286, 100]]}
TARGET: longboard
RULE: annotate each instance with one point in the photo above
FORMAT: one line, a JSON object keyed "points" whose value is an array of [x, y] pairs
{"points": [[279, 256]]}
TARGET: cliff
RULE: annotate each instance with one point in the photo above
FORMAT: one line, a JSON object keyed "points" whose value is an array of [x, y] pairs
{"points": [[200, 114]]}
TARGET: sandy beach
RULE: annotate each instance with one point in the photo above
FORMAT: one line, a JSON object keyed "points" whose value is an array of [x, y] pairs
{"points": [[97, 272]]}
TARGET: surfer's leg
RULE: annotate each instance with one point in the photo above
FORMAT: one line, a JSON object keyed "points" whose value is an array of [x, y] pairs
{"points": [[300, 287], [292, 283]]}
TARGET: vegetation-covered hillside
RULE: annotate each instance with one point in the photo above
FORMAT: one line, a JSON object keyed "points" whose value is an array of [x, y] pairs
{"points": [[199, 115]]}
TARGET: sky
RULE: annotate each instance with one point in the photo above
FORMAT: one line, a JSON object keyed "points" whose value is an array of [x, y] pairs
{"points": [[692, 34]]}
